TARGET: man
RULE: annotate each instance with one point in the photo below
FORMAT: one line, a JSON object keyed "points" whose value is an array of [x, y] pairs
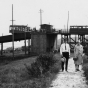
{"points": [[78, 53], [65, 52]]}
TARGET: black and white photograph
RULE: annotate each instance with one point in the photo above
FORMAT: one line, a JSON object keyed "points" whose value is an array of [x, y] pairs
{"points": [[43, 43]]}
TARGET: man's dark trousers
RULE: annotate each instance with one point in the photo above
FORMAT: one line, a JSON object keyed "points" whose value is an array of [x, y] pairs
{"points": [[66, 55]]}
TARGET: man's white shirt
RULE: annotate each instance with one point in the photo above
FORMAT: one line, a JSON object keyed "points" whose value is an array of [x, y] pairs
{"points": [[63, 49]]}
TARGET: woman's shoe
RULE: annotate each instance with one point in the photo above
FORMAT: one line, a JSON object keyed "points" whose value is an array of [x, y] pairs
{"points": [[77, 70]]}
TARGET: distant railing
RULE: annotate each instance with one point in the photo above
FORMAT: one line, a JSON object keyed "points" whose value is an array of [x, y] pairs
{"points": [[79, 29], [64, 31], [19, 29], [23, 29], [44, 30]]}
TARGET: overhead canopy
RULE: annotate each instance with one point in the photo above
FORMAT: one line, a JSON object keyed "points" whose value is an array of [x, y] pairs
{"points": [[17, 37], [79, 29], [46, 26]]}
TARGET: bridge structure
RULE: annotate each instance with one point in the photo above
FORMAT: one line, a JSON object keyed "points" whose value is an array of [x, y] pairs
{"points": [[45, 39], [19, 34]]}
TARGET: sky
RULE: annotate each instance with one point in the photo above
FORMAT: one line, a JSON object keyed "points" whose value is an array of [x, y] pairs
{"points": [[54, 12]]}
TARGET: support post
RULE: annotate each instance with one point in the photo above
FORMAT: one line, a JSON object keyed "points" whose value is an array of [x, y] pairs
{"points": [[78, 37], [41, 17], [70, 40], [1, 48], [29, 46], [67, 38], [84, 38], [12, 32], [55, 43], [75, 39], [61, 39], [25, 41]]}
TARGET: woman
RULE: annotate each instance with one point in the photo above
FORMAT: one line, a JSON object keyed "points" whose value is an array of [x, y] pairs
{"points": [[78, 52]]}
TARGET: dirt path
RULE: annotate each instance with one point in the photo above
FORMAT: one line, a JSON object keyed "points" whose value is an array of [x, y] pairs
{"points": [[70, 79]]}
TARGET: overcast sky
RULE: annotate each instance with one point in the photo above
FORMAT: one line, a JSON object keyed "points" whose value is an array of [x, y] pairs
{"points": [[54, 12]]}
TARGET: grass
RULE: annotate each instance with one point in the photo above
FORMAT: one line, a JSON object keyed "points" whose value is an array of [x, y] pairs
{"points": [[5, 59], [85, 67], [14, 75]]}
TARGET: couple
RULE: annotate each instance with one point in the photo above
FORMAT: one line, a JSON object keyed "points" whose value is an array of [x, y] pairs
{"points": [[65, 52]]}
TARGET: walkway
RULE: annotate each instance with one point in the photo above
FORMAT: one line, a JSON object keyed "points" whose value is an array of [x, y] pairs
{"points": [[70, 79]]}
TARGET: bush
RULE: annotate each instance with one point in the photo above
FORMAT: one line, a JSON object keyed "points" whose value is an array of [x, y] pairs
{"points": [[85, 67], [42, 65], [33, 70], [46, 61]]}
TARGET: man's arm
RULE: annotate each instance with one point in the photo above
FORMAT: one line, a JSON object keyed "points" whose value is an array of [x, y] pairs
{"points": [[75, 53], [69, 49], [61, 50]]}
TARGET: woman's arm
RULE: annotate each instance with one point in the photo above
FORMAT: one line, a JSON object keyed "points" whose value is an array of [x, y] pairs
{"points": [[81, 49], [74, 49]]}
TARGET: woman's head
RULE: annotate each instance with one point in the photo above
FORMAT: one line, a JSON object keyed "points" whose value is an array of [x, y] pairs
{"points": [[78, 42]]}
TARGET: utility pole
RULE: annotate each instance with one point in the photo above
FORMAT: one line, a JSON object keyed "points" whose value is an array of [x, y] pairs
{"points": [[67, 21], [12, 32], [25, 39], [41, 16], [2, 47]]}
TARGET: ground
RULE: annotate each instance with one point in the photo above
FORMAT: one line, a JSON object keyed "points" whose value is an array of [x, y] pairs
{"points": [[14, 74], [70, 79], [19, 63]]}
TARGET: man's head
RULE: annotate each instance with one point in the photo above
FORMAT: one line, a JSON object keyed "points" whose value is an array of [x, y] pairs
{"points": [[65, 40]]}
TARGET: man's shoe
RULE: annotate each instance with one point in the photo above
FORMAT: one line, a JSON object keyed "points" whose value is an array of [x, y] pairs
{"points": [[66, 71], [78, 70], [62, 70]]}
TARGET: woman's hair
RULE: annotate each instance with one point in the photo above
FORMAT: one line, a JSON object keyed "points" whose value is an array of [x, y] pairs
{"points": [[78, 41]]}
